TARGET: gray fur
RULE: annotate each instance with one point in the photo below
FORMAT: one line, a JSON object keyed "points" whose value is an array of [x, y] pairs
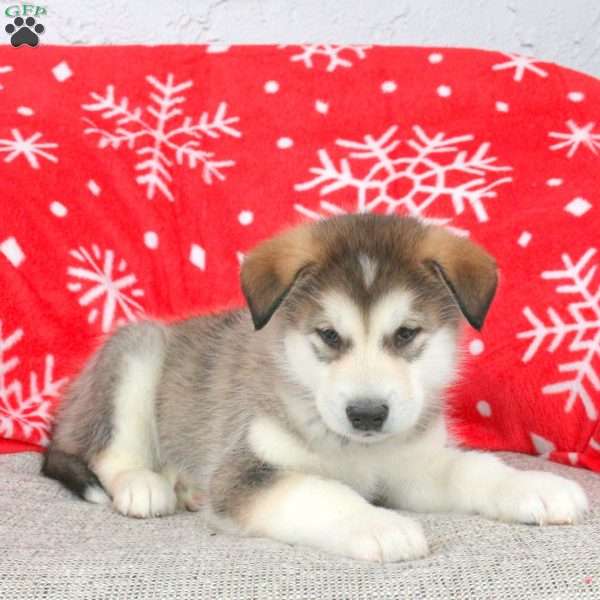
{"points": [[219, 373], [83, 425], [71, 470]]}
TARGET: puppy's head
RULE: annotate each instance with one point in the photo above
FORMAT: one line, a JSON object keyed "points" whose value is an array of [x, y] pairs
{"points": [[369, 308]]}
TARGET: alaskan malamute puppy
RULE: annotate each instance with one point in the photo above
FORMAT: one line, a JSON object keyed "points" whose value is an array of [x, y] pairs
{"points": [[292, 419]]}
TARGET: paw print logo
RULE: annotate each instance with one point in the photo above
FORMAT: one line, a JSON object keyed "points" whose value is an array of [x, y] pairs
{"points": [[24, 31]]}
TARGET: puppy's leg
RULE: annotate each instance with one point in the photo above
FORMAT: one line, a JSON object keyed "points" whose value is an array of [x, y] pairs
{"points": [[189, 495], [448, 479], [305, 509], [127, 466]]}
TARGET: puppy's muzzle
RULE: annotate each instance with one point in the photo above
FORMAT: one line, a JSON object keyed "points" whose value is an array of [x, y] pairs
{"points": [[367, 415]]}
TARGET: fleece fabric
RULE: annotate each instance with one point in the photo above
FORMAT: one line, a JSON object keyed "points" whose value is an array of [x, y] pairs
{"points": [[134, 180]]}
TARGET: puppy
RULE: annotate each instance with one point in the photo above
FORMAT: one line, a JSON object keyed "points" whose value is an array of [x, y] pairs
{"points": [[288, 420]]}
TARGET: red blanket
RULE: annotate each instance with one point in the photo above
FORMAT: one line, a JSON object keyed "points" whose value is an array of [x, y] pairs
{"points": [[135, 178]]}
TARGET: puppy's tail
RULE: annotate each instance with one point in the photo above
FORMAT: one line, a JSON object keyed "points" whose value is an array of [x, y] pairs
{"points": [[74, 474]]}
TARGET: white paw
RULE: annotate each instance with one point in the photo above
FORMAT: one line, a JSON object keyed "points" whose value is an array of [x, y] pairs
{"points": [[189, 497], [143, 494], [538, 498], [382, 535]]}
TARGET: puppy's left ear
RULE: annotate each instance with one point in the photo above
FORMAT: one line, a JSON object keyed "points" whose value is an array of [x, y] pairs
{"points": [[271, 269], [467, 270]]}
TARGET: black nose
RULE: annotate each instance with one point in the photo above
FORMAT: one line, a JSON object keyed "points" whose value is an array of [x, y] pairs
{"points": [[367, 416]]}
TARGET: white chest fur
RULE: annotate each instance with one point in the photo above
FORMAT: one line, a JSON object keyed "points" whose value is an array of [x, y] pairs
{"points": [[363, 467]]}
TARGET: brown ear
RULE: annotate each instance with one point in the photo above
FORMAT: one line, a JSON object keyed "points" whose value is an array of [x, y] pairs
{"points": [[466, 269], [270, 270]]}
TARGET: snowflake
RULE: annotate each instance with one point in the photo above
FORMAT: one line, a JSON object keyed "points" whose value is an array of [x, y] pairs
{"points": [[5, 69], [164, 137], [22, 413], [577, 136], [520, 64], [384, 178], [583, 323], [105, 285], [29, 148], [331, 52]]}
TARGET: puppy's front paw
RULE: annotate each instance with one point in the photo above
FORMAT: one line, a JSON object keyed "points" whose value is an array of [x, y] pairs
{"points": [[538, 498], [382, 535], [143, 494]]}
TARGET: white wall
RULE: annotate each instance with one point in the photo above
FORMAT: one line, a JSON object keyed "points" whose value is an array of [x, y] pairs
{"points": [[564, 31]]}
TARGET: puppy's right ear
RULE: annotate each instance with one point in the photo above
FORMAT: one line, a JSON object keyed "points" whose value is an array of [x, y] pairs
{"points": [[270, 270]]}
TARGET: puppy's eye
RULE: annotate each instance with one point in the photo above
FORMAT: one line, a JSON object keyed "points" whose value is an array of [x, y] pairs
{"points": [[330, 337], [405, 335]]}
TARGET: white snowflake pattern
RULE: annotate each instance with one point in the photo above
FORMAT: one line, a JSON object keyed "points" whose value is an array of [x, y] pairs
{"points": [[329, 52], [412, 181], [575, 137], [29, 148], [105, 280], [520, 64], [158, 142], [582, 374], [25, 413], [543, 446], [4, 69]]}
